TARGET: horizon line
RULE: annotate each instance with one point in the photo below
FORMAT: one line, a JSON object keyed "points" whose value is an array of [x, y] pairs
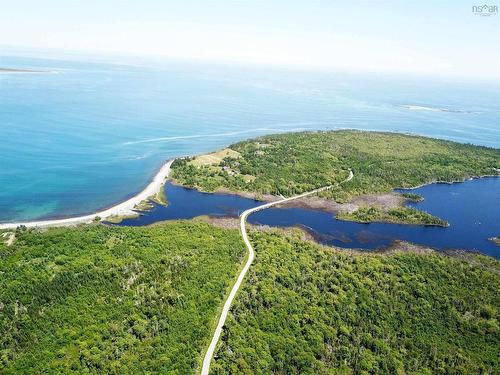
{"points": [[103, 57]]}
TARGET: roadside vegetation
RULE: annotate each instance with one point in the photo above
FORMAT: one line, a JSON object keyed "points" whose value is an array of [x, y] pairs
{"points": [[407, 215], [308, 309], [290, 164], [97, 299]]}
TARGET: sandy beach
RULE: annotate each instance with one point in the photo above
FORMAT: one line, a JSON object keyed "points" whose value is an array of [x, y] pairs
{"points": [[125, 208]]}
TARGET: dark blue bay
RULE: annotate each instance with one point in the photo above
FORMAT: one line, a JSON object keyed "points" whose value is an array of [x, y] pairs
{"points": [[188, 203], [471, 208]]}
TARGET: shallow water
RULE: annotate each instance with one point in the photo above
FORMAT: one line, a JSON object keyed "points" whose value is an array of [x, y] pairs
{"points": [[93, 134], [470, 207]]}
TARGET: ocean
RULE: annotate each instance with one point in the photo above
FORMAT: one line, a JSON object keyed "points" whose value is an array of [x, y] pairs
{"points": [[83, 136]]}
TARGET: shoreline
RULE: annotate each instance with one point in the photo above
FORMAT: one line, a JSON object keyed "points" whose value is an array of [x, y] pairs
{"points": [[472, 178], [124, 208], [128, 208], [331, 206]]}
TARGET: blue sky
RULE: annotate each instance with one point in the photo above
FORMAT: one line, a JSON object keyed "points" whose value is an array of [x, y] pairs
{"points": [[424, 37]]}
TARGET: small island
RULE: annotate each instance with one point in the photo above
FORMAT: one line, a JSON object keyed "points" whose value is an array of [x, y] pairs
{"points": [[413, 107], [411, 197], [495, 240], [406, 215]]}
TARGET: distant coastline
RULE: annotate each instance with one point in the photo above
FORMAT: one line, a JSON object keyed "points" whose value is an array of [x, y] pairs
{"points": [[16, 70]]}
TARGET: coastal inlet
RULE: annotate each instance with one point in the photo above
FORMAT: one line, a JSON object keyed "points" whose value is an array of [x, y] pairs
{"points": [[470, 207]]}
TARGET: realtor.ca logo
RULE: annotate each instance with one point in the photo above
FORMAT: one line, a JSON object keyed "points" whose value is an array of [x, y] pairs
{"points": [[485, 10]]}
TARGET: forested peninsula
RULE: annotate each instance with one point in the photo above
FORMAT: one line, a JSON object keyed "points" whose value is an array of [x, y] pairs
{"points": [[290, 164]]}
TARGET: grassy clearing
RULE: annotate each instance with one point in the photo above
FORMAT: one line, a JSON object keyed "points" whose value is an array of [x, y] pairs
{"points": [[147, 204], [160, 197], [8, 238], [144, 205], [117, 219], [214, 158]]}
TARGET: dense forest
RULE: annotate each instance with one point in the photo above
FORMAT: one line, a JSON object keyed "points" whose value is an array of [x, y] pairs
{"points": [[99, 299], [308, 309], [128, 300], [289, 164]]}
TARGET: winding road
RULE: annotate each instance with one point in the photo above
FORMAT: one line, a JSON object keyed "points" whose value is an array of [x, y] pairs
{"points": [[251, 255]]}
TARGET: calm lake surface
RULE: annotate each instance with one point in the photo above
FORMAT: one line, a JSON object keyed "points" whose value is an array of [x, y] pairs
{"points": [[471, 208], [89, 135]]}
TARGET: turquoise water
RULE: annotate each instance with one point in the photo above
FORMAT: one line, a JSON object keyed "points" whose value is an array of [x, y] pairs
{"points": [[89, 135]]}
